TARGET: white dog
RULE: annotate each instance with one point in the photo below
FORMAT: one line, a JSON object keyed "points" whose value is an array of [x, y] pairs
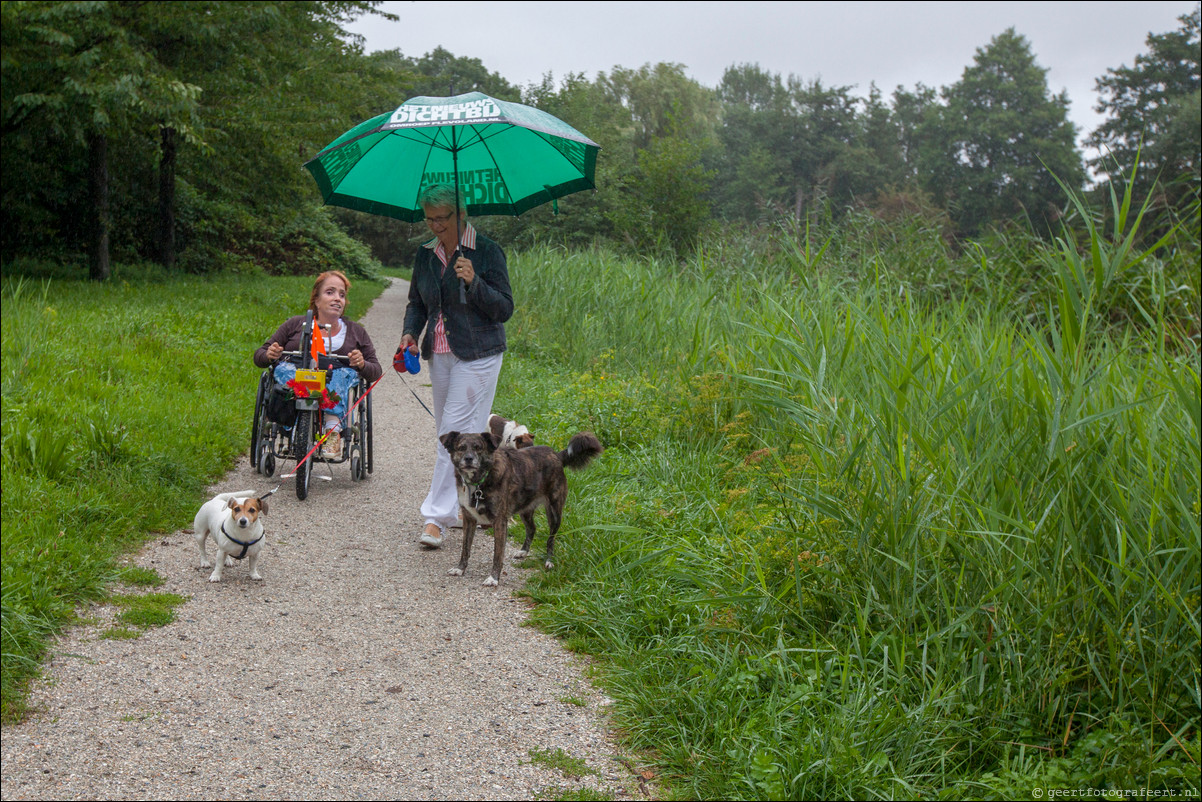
{"points": [[233, 521]]}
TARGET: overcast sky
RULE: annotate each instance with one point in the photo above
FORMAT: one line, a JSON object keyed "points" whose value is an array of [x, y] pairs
{"points": [[842, 43]]}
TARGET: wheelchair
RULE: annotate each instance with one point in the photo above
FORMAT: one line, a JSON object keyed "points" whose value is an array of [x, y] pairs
{"points": [[284, 435]]}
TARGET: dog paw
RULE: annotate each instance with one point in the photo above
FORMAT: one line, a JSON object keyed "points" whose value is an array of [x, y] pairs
{"points": [[214, 577], [521, 554], [257, 577], [456, 572], [229, 561], [548, 565], [205, 564], [489, 583]]}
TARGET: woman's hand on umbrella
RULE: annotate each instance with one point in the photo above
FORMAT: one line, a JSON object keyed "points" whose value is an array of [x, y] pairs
{"points": [[463, 269]]}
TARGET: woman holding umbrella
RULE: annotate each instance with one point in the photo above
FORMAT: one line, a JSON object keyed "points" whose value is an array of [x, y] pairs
{"points": [[460, 296]]}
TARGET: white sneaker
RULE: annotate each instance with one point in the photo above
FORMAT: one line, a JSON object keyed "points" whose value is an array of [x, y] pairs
{"points": [[332, 447], [431, 541]]}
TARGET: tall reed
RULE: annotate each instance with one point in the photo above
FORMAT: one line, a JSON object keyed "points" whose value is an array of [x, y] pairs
{"points": [[875, 537]]}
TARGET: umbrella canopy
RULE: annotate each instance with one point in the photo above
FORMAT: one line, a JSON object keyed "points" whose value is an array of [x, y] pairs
{"points": [[507, 158]]}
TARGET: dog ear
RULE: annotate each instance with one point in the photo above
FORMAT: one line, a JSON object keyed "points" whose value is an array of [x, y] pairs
{"points": [[494, 441], [232, 504], [263, 504], [448, 440]]}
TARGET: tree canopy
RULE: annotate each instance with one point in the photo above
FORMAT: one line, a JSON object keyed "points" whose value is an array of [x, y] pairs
{"points": [[176, 132], [1153, 110]]}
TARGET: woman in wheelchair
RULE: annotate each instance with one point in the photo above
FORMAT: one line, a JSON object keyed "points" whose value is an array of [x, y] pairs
{"points": [[345, 337]]}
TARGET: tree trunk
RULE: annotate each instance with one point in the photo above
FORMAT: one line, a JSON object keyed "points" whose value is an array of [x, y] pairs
{"points": [[98, 188], [165, 236]]}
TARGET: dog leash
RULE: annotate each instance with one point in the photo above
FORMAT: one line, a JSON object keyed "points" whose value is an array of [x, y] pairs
{"points": [[415, 395], [398, 364]]}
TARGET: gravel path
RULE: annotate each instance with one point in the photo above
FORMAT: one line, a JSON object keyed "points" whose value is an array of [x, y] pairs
{"points": [[356, 669]]}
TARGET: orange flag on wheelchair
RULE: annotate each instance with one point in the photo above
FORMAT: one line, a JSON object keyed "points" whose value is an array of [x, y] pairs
{"points": [[318, 345]]}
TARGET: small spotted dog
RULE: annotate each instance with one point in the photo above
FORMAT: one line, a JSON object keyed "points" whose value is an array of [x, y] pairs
{"points": [[511, 433]]}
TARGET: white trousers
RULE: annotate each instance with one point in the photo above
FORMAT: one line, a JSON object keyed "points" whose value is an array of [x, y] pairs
{"points": [[463, 396]]}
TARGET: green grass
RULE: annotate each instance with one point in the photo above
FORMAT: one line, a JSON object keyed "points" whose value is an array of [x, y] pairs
{"points": [[585, 794], [570, 767], [558, 760], [148, 610], [120, 633], [113, 393], [874, 522], [137, 576]]}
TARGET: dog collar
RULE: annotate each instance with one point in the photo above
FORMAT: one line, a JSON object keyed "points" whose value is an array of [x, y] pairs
{"points": [[477, 495], [241, 543]]}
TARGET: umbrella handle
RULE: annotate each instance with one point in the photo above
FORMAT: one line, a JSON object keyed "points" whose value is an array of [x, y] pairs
{"points": [[462, 286]]}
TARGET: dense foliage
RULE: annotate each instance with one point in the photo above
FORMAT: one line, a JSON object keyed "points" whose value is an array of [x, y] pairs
{"points": [[175, 132], [1153, 111]]}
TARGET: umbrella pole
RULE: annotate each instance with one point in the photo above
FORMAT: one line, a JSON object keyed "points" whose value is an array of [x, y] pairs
{"points": [[458, 235]]}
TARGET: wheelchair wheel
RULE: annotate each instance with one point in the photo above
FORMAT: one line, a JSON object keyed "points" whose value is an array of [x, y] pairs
{"points": [[302, 480], [256, 427], [302, 441], [266, 459], [357, 473]]}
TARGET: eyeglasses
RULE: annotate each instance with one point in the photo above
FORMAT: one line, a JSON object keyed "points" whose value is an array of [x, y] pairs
{"points": [[441, 218]]}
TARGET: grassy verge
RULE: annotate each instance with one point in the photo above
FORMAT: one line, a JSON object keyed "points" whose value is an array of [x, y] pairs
{"points": [[860, 533], [113, 394]]}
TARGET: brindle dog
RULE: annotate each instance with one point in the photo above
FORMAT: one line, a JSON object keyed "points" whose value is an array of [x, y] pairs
{"points": [[497, 483]]}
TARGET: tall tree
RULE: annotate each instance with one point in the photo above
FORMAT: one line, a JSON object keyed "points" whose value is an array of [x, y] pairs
{"points": [[663, 202], [440, 73], [916, 115], [661, 99], [825, 134], [1153, 111], [74, 74], [1001, 141], [758, 126], [222, 98], [789, 144]]}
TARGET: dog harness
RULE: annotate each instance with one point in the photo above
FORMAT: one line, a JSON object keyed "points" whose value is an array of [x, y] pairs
{"points": [[241, 543]]}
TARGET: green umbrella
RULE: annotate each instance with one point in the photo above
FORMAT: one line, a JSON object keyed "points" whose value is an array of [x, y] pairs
{"points": [[505, 158]]}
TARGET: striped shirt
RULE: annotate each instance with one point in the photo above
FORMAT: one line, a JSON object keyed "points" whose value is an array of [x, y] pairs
{"points": [[468, 240]]}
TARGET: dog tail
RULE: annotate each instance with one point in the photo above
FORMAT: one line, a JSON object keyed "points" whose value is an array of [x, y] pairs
{"points": [[580, 451]]}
